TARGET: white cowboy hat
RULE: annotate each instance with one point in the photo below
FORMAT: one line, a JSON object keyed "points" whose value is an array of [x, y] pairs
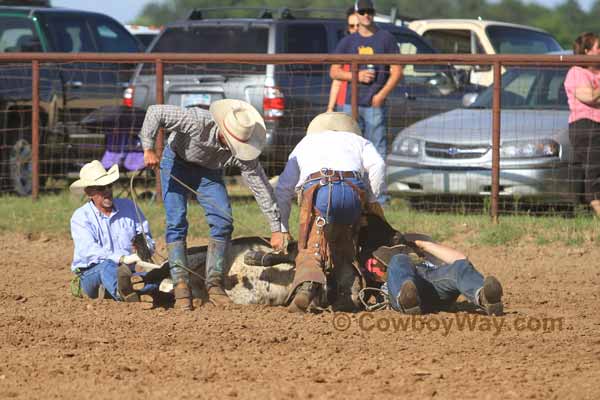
{"points": [[94, 174], [242, 126], [333, 121]]}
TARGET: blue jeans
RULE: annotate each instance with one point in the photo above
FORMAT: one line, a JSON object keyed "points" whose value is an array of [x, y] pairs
{"points": [[372, 123], [344, 207], [438, 287], [104, 274], [213, 197]]}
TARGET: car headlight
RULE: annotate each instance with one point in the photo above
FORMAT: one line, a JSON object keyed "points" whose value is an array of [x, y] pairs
{"points": [[529, 149], [406, 147]]}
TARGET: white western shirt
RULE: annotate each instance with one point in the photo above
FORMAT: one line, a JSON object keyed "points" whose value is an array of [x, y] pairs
{"points": [[339, 151]]}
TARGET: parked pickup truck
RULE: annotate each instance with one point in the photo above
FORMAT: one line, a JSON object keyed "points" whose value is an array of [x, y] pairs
{"points": [[475, 36], [68, 91]]}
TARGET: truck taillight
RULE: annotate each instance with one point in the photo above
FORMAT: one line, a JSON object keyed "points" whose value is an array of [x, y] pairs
{"points": [[273, 103], [128, 97]]}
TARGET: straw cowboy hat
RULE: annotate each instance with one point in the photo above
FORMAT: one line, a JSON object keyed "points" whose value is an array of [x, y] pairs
{"points": [[242, 126], [333, 121], [94, 174]]}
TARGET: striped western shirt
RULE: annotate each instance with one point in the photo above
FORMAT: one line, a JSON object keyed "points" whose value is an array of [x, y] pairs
{"points": [[194, 138]]}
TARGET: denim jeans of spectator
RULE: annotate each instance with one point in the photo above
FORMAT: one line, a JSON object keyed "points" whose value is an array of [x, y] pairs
{"points": [[438, 287], [213, 197], [343, 206], [372, 124], [104, 274]]}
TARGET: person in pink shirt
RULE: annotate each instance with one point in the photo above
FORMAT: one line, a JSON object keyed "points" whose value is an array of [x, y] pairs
{"points": [[582, 86]]}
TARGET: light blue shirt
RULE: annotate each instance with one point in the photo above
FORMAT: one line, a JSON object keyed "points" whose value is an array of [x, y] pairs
{"points": [[98, 237]]}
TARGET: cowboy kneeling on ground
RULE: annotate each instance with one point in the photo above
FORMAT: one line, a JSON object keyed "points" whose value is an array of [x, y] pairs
{"points": [[337, 173], [103, 232]]}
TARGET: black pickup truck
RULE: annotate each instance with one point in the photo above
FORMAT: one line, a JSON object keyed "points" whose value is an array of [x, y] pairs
{"points": [[68, 91]]}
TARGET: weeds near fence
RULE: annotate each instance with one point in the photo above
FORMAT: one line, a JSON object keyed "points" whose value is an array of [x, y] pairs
{"points": [[51, 215]]}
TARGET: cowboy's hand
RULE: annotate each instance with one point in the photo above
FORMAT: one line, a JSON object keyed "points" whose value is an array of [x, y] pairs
{"points": [[130, 259], [277, 240], [150, 158]]}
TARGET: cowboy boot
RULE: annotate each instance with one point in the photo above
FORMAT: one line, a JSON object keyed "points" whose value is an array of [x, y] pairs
{"points": [[305, 294], [490, 296], [216, 259], [180, 275], [408, 298]]}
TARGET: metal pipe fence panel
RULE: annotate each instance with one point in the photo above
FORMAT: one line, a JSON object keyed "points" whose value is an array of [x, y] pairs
{"points": [[452, 145]]}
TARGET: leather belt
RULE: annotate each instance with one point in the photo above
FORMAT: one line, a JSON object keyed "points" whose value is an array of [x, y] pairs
{"points": [[335, 175]]}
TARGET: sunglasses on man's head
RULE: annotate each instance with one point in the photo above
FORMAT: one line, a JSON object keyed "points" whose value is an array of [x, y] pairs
{"points": [[366, 11]]}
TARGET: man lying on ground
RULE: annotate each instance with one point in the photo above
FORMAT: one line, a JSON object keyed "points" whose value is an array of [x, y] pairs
{"points": [[103, 230], [424, 276]]}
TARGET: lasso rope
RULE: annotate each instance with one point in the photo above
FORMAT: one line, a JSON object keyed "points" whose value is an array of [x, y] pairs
{"points": [[385, 304]]}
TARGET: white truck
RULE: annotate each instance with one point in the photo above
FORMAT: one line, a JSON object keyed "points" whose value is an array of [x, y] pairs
{"points": [[478, 36]]}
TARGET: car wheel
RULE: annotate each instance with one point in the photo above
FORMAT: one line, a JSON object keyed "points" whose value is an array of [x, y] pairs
{"points": [[20, 167]]}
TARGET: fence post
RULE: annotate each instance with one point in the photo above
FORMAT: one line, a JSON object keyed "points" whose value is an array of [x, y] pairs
{"points": [[354, 96], [496, 105], [35, 129], [160, 140]]}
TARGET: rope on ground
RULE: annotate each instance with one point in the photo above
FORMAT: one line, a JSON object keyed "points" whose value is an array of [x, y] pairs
{"points": [[385, 304]]}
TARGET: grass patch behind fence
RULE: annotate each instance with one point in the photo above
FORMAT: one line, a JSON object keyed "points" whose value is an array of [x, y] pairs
{"points": [[51, 216]]}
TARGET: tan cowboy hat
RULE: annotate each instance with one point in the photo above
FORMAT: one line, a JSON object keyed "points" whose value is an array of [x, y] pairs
{"points": [[333, 121], [242, 126], [94, 174]]}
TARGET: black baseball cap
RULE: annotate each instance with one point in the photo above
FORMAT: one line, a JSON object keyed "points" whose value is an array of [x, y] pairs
{"points": [[363, 5]]}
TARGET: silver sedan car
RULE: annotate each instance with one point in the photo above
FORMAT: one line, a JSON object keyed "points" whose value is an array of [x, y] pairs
{"points": [[451, 153]]}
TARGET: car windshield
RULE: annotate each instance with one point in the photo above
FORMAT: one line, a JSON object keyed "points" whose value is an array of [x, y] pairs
{"points": [[409, 44], [211, 39], [511, 40], [17, 34], [525, 88]]}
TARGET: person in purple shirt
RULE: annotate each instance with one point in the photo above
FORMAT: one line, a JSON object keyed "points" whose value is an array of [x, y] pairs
{"points": [[376, 82], [103, 230]]}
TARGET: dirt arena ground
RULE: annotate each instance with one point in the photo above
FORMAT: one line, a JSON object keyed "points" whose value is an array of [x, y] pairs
{"points": [[57, 346]]}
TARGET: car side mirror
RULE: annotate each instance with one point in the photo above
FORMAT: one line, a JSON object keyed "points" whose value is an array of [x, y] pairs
{"points": [[469, 98]]}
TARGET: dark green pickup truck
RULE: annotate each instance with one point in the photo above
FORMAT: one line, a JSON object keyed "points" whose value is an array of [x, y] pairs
{"points": [[68, 91]]}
